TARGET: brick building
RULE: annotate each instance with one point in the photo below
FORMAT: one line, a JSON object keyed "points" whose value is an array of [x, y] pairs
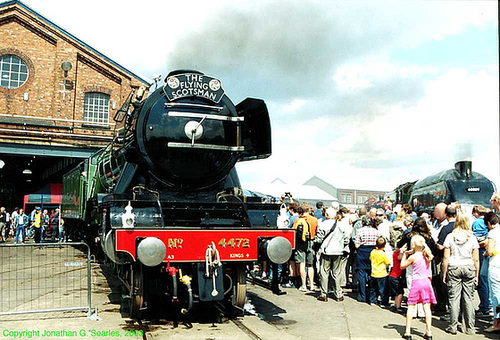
{"points": [[359, 197], [58, 96]]}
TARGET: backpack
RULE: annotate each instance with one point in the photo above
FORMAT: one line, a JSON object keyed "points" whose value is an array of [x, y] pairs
{"points": [[302, 234], [395, 235]]}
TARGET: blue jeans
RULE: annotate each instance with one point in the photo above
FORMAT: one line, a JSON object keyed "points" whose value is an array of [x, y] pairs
{"points": [[380, 286], [20, 230], [483, 288], [366, 290]]}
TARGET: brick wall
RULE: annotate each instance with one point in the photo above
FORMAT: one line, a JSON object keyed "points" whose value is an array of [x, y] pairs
{"points": [[24, 111], [353, 194]]}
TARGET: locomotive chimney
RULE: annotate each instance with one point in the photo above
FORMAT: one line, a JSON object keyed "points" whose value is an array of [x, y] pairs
{"points": [[464, 168]]}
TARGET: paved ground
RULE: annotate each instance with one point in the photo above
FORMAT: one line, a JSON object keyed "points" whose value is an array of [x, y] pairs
{"points": [[296, 315], [302, 316]]}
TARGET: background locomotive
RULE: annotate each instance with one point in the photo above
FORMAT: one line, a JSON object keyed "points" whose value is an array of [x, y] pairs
{"points": [[460, 184], [165, 201]]}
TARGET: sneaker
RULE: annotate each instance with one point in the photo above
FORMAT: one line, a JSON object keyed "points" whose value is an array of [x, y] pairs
{"points": [[312, 288], [450, 330], [482, 313], [492, 329], [445, 317], [288, 285], [303, 289], [322, 298]]}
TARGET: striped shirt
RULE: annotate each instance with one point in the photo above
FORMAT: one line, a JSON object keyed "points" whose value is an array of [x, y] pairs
{"points": [[366, 236]]}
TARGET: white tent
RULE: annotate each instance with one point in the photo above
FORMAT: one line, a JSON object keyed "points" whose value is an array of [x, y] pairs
{"points": [[307, 193]]}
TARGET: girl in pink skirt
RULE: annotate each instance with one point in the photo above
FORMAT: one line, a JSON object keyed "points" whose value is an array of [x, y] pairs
{"points": [[421, 291]]}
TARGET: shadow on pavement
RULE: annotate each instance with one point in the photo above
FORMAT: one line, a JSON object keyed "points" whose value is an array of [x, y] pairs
{"points": [[268, 311]]}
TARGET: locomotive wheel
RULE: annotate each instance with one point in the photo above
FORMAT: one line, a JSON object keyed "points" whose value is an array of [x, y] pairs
{"points": [[137, 293], [240, 287]]}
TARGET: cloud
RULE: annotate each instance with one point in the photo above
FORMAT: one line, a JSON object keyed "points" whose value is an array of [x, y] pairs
{"points": [[295, 104], [456, 118], [292, 48]]}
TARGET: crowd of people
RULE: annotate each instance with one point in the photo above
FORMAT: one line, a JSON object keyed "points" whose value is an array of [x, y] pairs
{"points": [[441, 258], [41, 226]]}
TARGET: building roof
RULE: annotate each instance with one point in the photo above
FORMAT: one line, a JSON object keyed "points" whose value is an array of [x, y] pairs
{"points": [[323, 185], [300, 192], [278, 180], [79, 41]]}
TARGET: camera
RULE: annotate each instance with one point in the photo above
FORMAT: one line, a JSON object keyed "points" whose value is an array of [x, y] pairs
{"points": [[286, 198]]}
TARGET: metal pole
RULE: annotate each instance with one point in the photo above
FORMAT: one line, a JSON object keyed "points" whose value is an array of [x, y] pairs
{"points": [[89, 283]]}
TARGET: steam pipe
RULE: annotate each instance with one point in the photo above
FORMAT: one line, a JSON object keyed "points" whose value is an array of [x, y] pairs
{"points": [[174, 288], [190, 300], [173, 272]]}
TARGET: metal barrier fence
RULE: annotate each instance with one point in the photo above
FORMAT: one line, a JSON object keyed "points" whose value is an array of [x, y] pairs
{"points": [[45, 277]]}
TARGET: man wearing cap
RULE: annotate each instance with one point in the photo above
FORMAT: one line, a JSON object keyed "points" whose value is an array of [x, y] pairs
{"points": [[37, 224]]}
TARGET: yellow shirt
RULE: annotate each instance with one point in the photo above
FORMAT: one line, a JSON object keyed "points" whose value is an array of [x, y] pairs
{"points": [[38, 218], [380, 261]]}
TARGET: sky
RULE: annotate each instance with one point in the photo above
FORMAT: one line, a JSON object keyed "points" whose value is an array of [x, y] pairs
{"points": [[363, 94]]}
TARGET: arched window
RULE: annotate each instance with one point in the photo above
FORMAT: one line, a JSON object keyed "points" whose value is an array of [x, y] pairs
{"points": [[13, 71], [96, 108]]}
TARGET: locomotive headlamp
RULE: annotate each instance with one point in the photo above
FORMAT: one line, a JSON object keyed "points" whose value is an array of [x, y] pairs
{"points": [[193, 130], [128, 218], [278, 249], [151, 251]]}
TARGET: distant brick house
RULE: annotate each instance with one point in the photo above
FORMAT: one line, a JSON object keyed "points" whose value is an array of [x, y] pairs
{"points": [[359, 197]]}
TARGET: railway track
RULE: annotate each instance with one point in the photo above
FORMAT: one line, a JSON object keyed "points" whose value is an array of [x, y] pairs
{"points": [[237, 328], [246, 330]]}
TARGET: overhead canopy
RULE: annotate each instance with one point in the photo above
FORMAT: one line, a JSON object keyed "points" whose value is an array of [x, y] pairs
{"points": [[49, 195]]}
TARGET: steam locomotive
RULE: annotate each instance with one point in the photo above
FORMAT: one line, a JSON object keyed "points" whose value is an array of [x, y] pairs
{"points": [[460, 184], [164, 199]]}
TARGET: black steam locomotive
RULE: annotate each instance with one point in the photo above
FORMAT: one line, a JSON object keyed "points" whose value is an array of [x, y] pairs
{"points": [[165, 202], [460, 184]]}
